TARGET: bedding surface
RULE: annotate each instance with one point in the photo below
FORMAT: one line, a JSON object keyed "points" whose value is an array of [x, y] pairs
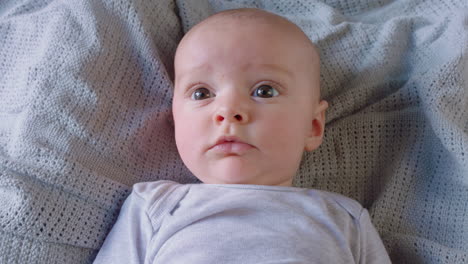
{"points": [[85, 99]]}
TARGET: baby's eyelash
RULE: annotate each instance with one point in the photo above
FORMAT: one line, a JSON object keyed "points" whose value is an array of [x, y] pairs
{"points": [[194, 86], [274, 85]]}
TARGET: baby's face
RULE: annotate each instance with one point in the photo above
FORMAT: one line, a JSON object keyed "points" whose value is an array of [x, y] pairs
{"points": [[245, 104]]}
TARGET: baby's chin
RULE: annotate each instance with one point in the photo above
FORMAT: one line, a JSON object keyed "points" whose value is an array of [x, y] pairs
{"points": [[239, 170]]}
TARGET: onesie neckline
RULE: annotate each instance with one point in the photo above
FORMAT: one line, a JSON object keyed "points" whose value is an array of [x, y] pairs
{"points": [[251, 187]]}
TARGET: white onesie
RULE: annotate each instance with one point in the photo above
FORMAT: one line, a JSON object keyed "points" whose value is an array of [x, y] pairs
{"points": [[166, 222]]}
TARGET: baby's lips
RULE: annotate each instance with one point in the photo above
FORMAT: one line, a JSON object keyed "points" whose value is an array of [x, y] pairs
{"points": [[227, 147], [227, 138], [230, 144]]}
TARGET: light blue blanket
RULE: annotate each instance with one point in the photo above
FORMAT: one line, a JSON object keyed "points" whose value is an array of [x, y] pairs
{"points": [[85, 97]]}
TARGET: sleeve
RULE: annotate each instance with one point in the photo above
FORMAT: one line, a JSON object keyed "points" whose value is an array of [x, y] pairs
{"points": [[129, 237], [372, 248]]}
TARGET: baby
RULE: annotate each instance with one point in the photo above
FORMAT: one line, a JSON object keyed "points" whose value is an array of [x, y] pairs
{"points": [[246, 105]]}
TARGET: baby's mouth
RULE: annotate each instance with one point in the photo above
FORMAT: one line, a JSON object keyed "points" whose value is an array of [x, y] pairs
{"points": [[232, 148], [229, 145]]}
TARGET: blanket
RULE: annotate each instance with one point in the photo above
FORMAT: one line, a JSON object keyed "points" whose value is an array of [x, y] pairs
{"points": [[85, 112]]}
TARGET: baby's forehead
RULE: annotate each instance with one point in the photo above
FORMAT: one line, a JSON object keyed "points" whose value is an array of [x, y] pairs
{"points": [[248, 17], [241, 19]]}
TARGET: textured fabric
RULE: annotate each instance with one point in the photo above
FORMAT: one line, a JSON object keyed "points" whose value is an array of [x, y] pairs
{"points": [[85, 96], [85, 112], [167, 222]]}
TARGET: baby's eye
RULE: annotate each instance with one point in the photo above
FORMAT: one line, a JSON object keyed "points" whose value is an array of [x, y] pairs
{"points": [[265, 91], [201, 94]]}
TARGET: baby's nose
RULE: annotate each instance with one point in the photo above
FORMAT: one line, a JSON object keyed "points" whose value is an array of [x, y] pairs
{"points": [[230, 116]]}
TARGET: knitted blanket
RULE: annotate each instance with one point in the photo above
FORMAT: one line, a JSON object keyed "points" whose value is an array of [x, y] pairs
{"points": [[85, 100]]}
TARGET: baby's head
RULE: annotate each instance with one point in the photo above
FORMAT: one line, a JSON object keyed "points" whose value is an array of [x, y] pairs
{"points": [[247, 98]]}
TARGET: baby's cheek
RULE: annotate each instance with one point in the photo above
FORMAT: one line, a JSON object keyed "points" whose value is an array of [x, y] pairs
{"points": [[189, 134], [287, 130], [182, 133]]}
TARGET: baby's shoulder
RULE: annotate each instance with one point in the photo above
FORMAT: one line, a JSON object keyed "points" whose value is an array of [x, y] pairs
{"points": [[148, 189], [351, 206], [156, 191]]}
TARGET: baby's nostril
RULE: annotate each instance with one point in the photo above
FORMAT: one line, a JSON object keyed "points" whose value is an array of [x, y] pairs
{"points": [[238, 117]]}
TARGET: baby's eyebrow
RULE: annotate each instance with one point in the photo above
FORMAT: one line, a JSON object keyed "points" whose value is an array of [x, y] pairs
{"points": [[273, 67], [203, 68], [198, 68]]}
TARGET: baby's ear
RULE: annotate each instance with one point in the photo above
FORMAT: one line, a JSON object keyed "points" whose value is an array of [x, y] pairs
{"points": [[315, 136]]}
